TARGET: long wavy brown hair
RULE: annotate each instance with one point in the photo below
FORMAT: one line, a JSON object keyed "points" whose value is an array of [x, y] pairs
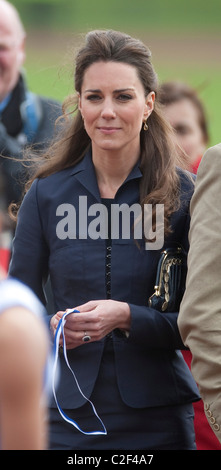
{"points": [[160, 182]]}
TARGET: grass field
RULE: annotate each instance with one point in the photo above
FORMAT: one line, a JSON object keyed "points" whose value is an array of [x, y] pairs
{"points": [[148, 15]]}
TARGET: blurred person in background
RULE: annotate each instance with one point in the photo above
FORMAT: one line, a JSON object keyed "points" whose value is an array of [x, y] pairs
{"points": [[24, 367], [25, 117], [185, 112]]}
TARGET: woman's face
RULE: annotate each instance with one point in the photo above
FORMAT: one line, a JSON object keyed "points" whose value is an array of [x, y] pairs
{"points": [[183, 117], [113, 106]]}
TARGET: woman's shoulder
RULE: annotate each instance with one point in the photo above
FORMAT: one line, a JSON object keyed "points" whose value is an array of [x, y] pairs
{"points": [[84, 163], [43, 187], [54, 177]]}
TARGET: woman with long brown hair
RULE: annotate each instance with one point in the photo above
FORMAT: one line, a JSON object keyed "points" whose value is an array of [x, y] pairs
{"points": [[84, 222]]}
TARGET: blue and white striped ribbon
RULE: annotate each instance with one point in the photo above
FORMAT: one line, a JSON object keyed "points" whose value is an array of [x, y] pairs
{"points": [[59, 332]]}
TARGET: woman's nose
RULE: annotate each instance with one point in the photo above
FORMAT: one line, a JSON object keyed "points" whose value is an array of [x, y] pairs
{"points": [[108, 111]]}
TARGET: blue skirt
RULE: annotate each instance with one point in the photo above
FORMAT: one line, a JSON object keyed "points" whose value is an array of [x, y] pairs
{"points": [[158, 428]]}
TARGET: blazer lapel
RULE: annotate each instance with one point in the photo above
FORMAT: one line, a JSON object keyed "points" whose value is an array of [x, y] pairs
{"points": [[84, 172]]}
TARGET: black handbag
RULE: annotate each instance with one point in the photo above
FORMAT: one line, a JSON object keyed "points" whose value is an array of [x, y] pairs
{"points": [[170, 280]]}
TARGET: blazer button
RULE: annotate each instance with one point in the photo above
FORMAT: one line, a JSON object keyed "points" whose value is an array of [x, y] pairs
{"points": [[208, 413], [216, 427], [206, 406], [212, 420]]}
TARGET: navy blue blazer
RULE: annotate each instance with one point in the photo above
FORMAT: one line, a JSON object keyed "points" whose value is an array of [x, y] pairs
{"points": [[150, 368]]}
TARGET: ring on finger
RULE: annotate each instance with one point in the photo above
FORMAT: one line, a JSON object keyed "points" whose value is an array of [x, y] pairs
{"points": [[86, 337]]}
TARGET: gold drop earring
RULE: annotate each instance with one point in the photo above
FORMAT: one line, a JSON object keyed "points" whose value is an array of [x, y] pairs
{"points": [[145, 125]]}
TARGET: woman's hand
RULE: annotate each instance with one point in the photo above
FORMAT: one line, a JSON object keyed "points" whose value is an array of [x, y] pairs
{"points": [[96, 318]]}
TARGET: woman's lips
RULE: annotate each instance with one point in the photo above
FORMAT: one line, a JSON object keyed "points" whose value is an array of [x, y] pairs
{"points": [[108, 130]]}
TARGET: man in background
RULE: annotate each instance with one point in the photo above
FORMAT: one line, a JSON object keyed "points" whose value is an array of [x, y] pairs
{"points": [[25, 117]]}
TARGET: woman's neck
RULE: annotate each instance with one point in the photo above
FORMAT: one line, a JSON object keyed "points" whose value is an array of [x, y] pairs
{"points": [[112, 171]]}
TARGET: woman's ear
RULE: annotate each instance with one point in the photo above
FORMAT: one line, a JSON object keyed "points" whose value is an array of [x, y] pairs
{"points": [[149, 106]]}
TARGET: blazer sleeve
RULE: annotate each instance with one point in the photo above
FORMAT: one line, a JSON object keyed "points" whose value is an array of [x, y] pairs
{"points": [[199, 320], [29, 262], [154, 329]]}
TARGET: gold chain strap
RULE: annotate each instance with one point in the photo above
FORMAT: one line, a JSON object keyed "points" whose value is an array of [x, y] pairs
{"points": [[169, 263]]}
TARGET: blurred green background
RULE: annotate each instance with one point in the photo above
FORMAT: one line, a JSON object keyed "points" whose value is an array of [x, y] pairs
{"points": [[184, 38]]}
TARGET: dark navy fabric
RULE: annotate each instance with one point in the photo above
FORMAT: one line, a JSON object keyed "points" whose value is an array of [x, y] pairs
{"points": [[150, 369]]}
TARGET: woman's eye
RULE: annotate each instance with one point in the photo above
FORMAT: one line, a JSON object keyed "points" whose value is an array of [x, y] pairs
{"points": [[93, 97], [124, 97], [182, 129]]}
